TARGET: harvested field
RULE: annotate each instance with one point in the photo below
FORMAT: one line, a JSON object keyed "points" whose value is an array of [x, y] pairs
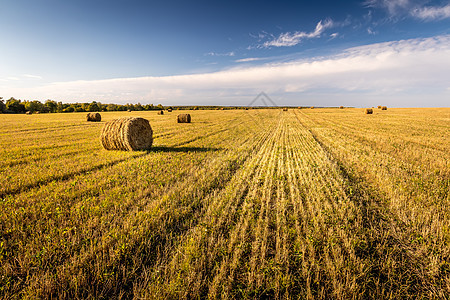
{"points": [[311, 203]]}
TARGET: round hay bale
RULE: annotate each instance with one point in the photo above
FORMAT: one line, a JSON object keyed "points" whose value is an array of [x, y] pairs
{"points": [[128, 110], [379, 106], [184, 118], [37, 112], [160, 112], [129, 134], [369, 111], [383, 108], [285, 109], [93, 117], [169, 110], [312, 107], [341, 107], [28, 113]]}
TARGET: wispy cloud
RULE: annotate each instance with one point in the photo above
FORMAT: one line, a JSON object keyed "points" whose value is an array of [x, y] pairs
{"points": [[250, 59], [393, 7], [432, 13], [32, 76], [232, 53], [289, 39], [414, 8], [334, 35], [394, 71]]}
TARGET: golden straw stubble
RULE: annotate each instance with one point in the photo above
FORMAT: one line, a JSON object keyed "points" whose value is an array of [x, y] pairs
{"points": [[129, 134]]}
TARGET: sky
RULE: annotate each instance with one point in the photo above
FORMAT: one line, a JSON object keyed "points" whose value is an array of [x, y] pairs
{"points": [[300, 53]]}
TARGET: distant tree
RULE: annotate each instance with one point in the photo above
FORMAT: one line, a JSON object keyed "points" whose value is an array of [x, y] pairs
{"points": [[111, 107], [15, 105], [2, 105], [68, 109], [138, 107], [34, 106], [94, 107], [160, 107], [51, 105], [59, 107], [148, 107]]}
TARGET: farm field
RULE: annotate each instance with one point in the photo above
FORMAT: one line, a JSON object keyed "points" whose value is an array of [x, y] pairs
{"points": [[310, 203]]}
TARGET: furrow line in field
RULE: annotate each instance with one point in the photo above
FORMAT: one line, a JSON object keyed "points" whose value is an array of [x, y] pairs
{"points": [[192, 266], [226, 280], [384, 223]]}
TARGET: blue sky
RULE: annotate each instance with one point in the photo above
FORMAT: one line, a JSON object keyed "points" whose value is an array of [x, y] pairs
{"points": [[322, 53]]}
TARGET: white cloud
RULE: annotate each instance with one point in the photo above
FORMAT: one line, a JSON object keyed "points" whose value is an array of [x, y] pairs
{"points": [[32, 76], [232, 53], [289, 39], [249, 59], [432, 13], [393, 71], [334, 35], [392, 6], [413, 8]]}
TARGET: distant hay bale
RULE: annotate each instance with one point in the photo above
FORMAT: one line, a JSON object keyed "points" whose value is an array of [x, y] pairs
{"points": [[285, 109], [312, 107], [160, 112], [184, 118], [379, 106], [221, 108], [37, 112], [129, 134], [128, 110], [341, 107], [383, 108], [299, 107], [169, 110], [28, 113], [93, 117], [369, 111]]}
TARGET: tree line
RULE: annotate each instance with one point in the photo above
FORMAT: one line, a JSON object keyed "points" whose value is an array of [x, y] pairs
{"points": [[13, 105]]}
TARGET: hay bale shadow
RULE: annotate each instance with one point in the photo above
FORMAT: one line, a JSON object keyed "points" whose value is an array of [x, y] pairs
{"points": [[183, 149]]}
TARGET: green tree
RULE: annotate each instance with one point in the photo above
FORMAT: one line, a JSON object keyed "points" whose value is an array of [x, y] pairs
{"points": [[94, 107], [51, 105], [2, 105], [111, 107], [138, 107], [59, 107], [15, 105], [34, 106]]}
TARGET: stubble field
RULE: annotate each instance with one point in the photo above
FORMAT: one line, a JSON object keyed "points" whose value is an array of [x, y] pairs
{"points": [[312, 203]]}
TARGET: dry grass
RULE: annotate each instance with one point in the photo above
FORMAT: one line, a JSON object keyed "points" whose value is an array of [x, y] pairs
{"points": [[258, 204], [127, 134]]}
